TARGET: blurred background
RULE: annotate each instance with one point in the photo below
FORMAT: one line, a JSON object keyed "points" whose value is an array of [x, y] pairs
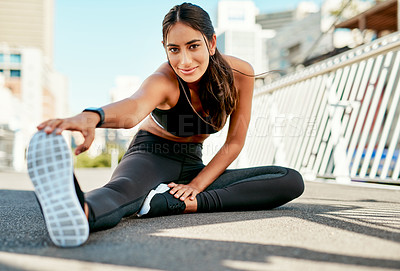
{"points": [[58, 57]]}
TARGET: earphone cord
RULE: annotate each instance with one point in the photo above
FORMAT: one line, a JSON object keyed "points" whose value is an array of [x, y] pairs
{"points": [[191, 105]]}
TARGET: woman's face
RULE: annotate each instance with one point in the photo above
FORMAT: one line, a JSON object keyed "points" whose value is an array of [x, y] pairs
{"points": [[188, 52]]}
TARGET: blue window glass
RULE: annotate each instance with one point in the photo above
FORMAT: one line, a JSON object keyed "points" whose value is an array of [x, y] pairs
{"points": [[15, 73], [14, 58], [1, 58]]}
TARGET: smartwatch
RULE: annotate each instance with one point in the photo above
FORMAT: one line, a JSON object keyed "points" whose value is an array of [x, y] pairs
{"points": [[97, 110]]}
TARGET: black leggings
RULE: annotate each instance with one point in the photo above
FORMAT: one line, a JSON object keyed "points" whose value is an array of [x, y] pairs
{"points": [[151, 160]]}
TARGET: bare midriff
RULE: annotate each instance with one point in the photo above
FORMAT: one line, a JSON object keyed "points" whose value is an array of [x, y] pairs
{"points": [[152, 127]]}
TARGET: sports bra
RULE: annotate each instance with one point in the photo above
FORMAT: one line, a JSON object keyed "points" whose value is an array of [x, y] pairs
{"points": [[181, 120]]}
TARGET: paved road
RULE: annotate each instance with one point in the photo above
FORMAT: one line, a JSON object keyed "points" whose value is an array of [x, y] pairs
{"points": [[331, 227]]}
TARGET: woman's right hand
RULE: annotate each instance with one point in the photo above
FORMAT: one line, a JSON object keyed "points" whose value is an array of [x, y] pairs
{"points": [[85, 123]]}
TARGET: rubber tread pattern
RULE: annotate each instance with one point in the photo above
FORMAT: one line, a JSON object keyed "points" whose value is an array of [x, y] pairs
{"points": [[50, 168]]}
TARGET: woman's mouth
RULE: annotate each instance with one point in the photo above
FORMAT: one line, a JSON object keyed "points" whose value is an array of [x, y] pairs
{"points": [[188, 71]]}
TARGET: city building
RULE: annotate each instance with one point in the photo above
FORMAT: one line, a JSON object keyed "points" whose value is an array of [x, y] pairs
{"points": [[9, 124], [308, 32], [294, 41], [30, 89], [239, 35], [275, 20], [295, 32], [28, 23]]}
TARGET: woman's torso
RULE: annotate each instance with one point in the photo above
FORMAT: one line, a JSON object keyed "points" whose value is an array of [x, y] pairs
{"points": [[152, 127], [175, 96]]}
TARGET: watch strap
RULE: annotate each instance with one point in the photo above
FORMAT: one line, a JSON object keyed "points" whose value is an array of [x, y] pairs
{"points": [[97, 110]]}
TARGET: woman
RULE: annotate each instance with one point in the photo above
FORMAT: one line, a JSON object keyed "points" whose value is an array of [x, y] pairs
{"points": [[188, 98]]}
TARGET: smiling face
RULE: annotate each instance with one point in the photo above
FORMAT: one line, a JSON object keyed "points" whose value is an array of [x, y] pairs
{"points": [[187, 51]]}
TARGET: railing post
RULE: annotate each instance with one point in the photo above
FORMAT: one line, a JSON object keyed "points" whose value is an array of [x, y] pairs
{"points": [[342, 165]]}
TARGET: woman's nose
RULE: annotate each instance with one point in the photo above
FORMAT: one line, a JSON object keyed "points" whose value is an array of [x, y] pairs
{"points": [[186, 58]]}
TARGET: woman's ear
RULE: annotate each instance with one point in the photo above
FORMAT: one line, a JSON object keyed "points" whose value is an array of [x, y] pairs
{"points": [[213, 44]]}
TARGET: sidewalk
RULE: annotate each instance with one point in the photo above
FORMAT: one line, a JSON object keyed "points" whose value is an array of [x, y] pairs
{"points": [[330, 227]]}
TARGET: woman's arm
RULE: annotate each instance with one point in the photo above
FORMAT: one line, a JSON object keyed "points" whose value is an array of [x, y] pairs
{"points": [[238, 126], [126, 113]]}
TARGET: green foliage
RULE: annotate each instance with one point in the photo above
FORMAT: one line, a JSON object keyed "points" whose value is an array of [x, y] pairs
{"points": [[83, 160]]}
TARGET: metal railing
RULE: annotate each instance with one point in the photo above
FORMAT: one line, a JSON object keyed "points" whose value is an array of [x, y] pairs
{"points": [[335, 119]]}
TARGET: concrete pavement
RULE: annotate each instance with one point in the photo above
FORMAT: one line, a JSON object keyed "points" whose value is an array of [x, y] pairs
{"points": [[330, 227]]}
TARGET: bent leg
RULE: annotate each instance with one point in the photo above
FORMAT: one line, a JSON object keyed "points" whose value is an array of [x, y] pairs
{"points": [[251, 189], [136, 174]]}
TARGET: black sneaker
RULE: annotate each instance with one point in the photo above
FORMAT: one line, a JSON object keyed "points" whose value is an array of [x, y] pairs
{"points": [[160, 202], [51, 171]]}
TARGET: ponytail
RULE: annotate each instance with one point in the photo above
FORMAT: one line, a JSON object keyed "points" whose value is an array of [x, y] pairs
{"points": [[220, 97]]}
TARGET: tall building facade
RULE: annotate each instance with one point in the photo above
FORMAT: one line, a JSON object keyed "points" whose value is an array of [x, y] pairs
{"points": [[307, 32], [239, 35], [30, 89], [28, 23], [295, 33], [275, 20], [294, 42]]}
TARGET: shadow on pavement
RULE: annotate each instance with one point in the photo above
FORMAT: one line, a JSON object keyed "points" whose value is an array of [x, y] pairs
{"points": [[134, 241]]}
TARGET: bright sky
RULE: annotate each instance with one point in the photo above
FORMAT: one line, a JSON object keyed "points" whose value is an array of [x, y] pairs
{"points": [[97, 40]]}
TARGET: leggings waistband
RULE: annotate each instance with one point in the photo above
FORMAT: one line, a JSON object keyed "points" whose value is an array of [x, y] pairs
{"points": [[146, 141]]}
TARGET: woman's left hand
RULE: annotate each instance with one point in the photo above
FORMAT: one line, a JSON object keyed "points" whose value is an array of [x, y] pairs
{"points": [[183, 191]]}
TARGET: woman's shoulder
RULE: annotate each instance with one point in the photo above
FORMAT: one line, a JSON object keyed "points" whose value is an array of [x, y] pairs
{"points": [[162, 83], [164, 73], [164, 77], [239, 64]]}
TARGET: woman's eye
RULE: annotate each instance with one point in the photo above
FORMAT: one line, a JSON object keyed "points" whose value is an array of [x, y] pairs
{"points": [[173, 50], [194, 46]]}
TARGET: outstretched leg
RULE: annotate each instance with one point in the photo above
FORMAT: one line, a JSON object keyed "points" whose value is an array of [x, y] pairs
{"points": [[256, 188], [134, 177]]}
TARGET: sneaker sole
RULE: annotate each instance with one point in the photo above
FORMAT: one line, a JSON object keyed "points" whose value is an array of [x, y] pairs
{"points": [[161, 188], [51, 171]]}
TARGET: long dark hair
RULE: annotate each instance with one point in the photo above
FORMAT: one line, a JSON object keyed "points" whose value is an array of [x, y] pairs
{"points": [[219, 98]]}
